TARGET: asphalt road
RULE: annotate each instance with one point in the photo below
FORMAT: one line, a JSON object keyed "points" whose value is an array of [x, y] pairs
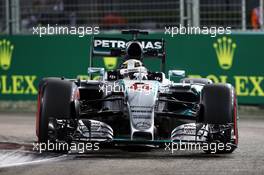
{"points": [[17, 132]]}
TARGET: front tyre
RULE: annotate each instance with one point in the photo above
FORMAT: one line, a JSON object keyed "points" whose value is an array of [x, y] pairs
{"points": [[219, 111], [55, 101]]}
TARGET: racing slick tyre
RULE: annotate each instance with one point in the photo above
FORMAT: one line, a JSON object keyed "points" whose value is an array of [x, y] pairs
{"points": [[196, 80], [219, 108], [56, 100]]}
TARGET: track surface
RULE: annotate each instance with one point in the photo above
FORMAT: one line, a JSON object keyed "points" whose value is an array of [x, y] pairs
{"points": [[20, 128]]}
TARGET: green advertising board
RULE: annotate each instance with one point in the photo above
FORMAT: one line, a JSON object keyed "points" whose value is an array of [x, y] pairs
{"points": [[236, 59]]}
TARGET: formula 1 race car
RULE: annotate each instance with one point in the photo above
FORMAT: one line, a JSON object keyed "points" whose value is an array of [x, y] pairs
{"points": [[133, 106]]}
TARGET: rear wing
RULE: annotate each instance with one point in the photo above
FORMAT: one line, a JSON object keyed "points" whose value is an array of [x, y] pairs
{"points": [[116, 47]]}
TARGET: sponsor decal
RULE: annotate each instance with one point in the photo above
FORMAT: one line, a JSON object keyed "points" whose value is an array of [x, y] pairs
{"points": [[13, 84], [18, 84], [104, 43], [6, 51], [110, 63], [225, 49], [246, 86], [140, 87]]}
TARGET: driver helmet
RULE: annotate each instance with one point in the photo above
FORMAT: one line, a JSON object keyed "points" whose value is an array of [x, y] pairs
{"points": [[133, 69]]}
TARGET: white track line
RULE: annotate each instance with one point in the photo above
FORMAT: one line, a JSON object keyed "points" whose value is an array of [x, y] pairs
{"points": [[33, 162]]}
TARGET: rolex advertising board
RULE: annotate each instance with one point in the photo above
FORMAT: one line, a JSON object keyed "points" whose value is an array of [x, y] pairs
{"points": [[236, 59]]}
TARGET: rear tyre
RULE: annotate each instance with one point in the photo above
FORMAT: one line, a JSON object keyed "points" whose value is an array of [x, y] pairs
{"points": [[219, 108], [55, 101]]}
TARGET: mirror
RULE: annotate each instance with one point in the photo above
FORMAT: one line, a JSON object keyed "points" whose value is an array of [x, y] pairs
{"points": [[94, 70], [176, 73]]}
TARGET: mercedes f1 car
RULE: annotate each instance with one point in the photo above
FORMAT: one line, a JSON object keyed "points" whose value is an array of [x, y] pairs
{"points": [[131, 105]]}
